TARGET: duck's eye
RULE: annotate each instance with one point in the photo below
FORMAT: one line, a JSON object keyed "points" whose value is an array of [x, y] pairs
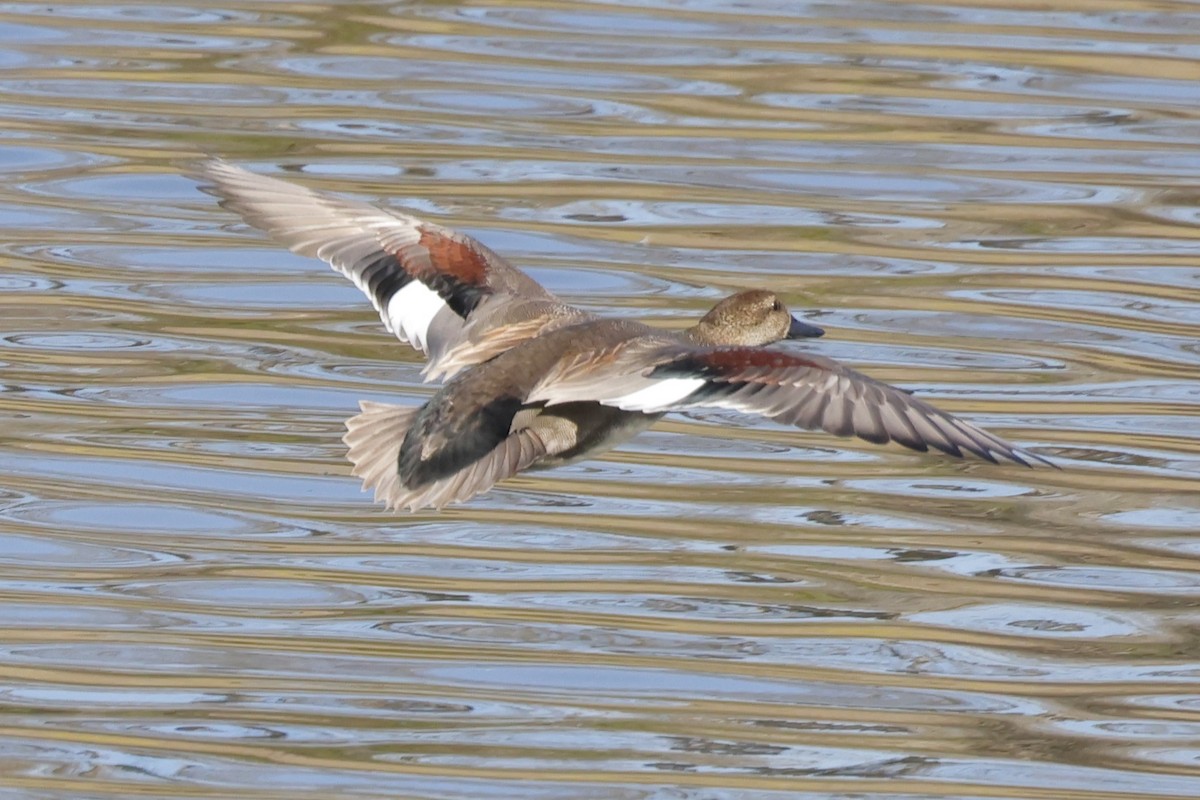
{"points": [[777, 306]]}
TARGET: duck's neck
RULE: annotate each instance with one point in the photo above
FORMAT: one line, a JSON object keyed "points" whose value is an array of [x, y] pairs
{"points": [[702, 334]]}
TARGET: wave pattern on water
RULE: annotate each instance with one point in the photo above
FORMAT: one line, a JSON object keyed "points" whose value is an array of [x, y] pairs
{"points": [[991, 204]]}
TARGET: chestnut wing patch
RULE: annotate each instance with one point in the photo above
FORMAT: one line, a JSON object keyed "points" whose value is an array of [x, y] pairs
{"points": [[451, 266], [455, 258], [733, 364]]}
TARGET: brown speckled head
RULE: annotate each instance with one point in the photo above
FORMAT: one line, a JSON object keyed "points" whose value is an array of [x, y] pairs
{"points": [[749, 319]]}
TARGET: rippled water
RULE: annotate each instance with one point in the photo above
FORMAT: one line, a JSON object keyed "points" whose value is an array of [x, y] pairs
{"points": [[992, 204]]}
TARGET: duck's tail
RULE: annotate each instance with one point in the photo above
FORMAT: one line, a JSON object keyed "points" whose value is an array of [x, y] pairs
{"points": [[374, 438], [376, 435]]}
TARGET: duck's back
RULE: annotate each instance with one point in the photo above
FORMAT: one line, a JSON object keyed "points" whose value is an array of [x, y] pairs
{"points": [[475, 411]]}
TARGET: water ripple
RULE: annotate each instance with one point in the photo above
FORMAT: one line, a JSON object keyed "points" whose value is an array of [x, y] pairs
{"points": [[992, 206]]}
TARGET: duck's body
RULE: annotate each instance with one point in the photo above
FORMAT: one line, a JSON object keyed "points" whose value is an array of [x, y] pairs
{"points": [[480, 427], [534, 382]]}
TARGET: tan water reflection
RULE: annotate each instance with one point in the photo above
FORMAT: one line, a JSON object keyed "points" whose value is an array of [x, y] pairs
{"points": [[991, 203]]}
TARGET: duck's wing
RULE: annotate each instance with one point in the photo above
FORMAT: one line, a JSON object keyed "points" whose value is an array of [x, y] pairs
{"points": [[438, 290], [798, 389]]}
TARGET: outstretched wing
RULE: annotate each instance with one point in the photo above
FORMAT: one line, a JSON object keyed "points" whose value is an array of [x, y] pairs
{"points": [[440, 291], [804, 390]]}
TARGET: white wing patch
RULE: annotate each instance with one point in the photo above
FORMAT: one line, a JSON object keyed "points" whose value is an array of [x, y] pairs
{"points": [[658, 396], [410, 312]]}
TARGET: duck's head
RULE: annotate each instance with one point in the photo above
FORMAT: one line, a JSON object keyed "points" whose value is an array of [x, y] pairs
{"points": [[750, 318]]}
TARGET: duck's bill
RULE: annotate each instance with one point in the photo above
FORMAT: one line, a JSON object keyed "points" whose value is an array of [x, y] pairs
{"points": [[802, 330]]}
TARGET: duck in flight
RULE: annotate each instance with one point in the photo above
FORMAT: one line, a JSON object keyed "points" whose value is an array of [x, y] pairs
{"points": [[532, 382]]}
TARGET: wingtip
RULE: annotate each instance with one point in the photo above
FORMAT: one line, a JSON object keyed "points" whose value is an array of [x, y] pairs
{"points": [[211, 173], [1023, 457], [201, 167], [1039, 461]]}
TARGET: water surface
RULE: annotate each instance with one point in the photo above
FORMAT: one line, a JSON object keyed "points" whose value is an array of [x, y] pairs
{"points": [[989, 203]]}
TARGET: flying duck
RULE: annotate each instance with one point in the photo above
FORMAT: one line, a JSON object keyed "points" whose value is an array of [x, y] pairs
{"points": [[532, 382]]}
